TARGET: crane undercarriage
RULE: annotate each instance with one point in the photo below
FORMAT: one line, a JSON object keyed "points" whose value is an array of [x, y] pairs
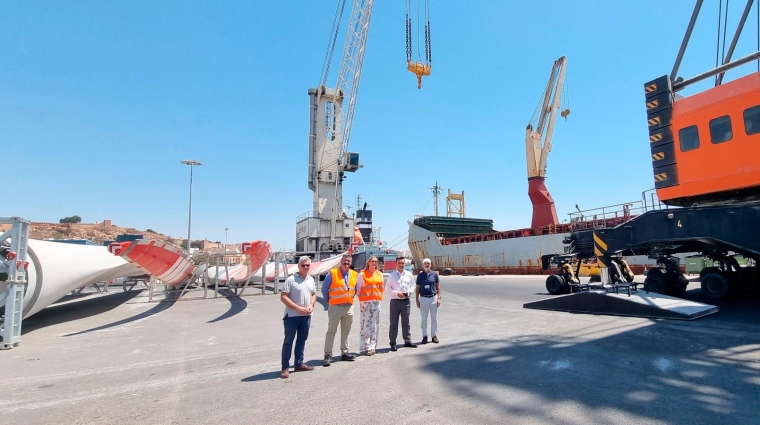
{"points": [[715, 232]]}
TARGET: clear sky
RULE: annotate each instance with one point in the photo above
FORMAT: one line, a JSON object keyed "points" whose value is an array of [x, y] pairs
{"points": [[101, 100]]}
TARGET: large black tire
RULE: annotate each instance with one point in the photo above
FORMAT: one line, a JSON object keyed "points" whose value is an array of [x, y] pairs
{"points": [[656, 282], [556, 285], [661, 282], [715, 285]]}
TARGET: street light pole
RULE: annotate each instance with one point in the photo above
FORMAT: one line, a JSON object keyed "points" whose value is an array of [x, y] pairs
{"points": [[225, 239], [190, 162]]}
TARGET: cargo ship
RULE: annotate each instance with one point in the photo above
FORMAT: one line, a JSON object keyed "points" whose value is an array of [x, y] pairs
{"points": [[471, 246]]}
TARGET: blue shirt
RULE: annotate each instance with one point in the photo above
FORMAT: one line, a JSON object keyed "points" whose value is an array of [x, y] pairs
{"points": [[427, 283]]}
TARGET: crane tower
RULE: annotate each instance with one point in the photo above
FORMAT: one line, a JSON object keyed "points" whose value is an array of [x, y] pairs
{"points": [[327, 229]]}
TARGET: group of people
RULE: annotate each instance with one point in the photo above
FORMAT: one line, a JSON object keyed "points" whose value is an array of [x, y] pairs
{"points": [[339, 289]]}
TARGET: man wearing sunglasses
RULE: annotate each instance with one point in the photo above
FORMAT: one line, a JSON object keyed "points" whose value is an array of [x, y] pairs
{"points": [[339, 290], [299, 295]]}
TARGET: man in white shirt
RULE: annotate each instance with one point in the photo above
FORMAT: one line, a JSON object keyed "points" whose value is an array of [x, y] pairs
{"points": [[400, 285], [299, 295]]}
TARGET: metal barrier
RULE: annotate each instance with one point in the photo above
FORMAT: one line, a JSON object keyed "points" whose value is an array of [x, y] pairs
{"points": [[14, 265]]}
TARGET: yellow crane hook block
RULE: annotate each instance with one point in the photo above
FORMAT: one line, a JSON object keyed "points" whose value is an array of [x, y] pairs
{"points": [[420, 70]]}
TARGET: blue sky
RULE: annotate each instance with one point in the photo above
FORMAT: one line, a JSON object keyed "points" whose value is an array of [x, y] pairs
{"points": [[100, 100]]}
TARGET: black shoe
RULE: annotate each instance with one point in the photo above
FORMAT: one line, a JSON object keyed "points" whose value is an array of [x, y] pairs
{"points": [[328, 359], [410, 344], [347, 357], [424, 340], [435, 339], [393, 347]]}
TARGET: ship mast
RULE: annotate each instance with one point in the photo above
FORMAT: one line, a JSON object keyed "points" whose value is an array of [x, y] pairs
{"points": [[436, 191]]}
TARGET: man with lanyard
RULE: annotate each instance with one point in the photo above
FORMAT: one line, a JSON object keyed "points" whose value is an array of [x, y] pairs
{"points": [[338, 290], [298, 295], [400, 286], [429, 288]]}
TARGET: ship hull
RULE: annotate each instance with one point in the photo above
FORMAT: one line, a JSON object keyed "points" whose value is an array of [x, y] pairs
{"points": [[504, 256], [520, 255]]}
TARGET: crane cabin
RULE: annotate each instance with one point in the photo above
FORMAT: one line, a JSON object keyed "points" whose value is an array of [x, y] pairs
{"points": [[705, 147]]}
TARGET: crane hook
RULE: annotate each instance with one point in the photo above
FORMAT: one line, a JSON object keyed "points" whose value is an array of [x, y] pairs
{"points": [[420, 70]]}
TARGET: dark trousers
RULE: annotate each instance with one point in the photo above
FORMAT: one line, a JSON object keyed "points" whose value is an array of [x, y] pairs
{"points": [[295, 325], [400, 308]]}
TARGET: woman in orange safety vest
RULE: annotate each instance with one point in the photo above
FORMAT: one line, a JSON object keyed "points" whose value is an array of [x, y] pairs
{"points": [[370, 284]]}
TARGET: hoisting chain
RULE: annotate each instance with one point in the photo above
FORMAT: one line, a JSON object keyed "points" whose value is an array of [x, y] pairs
{"points": [[408, 38], [428, 52]]}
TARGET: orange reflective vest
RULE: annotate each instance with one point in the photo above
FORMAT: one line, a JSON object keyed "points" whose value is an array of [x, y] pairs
{"points": [[338, 292], [372, 286]]}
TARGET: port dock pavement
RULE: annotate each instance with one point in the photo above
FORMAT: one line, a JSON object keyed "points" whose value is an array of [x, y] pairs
{"points": [[113, 360]]}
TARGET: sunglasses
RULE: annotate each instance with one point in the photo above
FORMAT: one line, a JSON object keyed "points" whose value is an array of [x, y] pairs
{"points": [[305, 265]]}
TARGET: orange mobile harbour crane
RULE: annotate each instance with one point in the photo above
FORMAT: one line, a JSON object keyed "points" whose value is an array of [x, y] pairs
{"points": [[705, 152]]}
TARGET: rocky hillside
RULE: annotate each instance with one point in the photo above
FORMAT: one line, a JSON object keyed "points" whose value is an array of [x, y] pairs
{"points": [[95, 232]]}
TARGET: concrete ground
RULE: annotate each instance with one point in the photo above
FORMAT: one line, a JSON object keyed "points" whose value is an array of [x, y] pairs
{"points": [[113, 360]]}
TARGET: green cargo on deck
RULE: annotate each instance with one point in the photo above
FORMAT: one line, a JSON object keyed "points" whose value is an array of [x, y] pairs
{"points": [[450, 227]]}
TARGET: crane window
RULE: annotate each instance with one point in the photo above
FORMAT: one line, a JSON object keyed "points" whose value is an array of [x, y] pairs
{"points": [[720, 129], [752, 120], [689, 137], [329, 121]]}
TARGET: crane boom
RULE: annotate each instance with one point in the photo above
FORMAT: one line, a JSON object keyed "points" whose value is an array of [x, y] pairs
{"points": [[351, 67], [559, 76], [538, 151]]}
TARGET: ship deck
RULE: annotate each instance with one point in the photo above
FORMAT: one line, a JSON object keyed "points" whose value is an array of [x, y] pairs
{"points": [[112, 359]]}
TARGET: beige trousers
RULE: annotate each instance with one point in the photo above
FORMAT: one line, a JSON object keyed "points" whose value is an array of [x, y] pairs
{"points": [[343, 314]]}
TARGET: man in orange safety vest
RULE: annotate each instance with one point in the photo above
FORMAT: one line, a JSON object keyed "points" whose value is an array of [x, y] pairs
{"points": [[339, 290]]}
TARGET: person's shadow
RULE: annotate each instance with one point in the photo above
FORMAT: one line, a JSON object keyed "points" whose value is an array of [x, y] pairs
{"points": [[276, 375], [321, 301], [261, 377]]}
